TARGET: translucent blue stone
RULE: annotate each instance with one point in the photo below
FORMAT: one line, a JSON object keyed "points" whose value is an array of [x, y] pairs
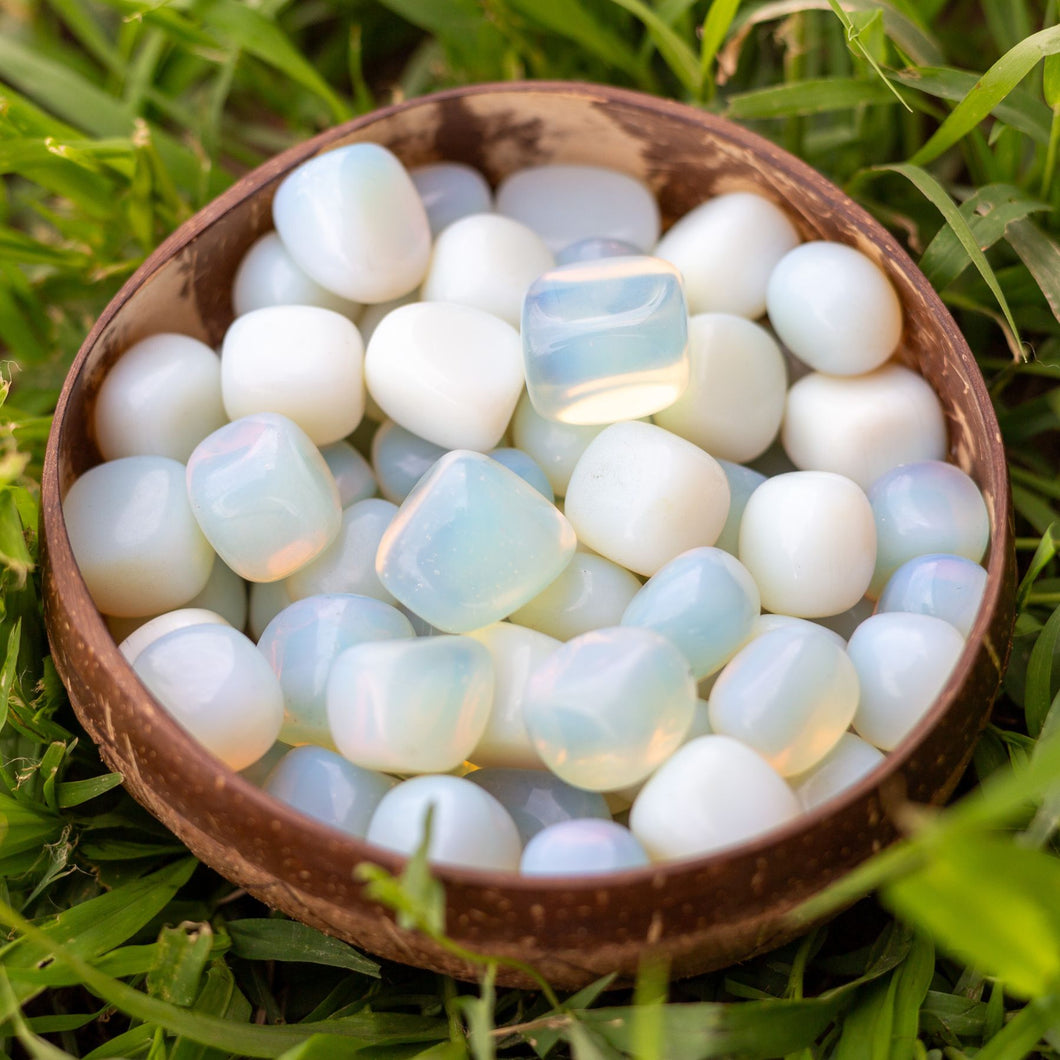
{"points": [[323, 785], [400, 459], [593, 248], [605, 340], [555, 446], [536, 798], [581, 848], [472, 543], [352, 473], [451, 190], [526, 468], [947, 587], [302, 642], [704, 601], [743, 481]]}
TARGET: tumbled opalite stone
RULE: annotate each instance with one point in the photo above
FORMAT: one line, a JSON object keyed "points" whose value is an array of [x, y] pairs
{"points": [[526, 468], [862, 426], [712, 793], [789, 694], [303, 641], [922, 508], [160, 625], [263, 496], [268, 275], [451, 190], [354, 221], [640, 496], [605, 340], [595, 247], [726, 249], [554, 446], [743, 481], [135, 538], [537, 798], [581, 848], [809, 540], [370, 319], [401, 459], [849, 761], [769, 621], [592, 592], [704, 601], [325, 786], [161, 398], [471, 544], [469, 827], [903, 662], [609, 706], [410, 706], [947, 587], [834, 308], [352, 473], [516, 652], [219, 687], [265, 600]]}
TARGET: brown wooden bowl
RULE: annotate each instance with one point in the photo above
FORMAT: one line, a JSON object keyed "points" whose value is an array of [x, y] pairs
{"points": [[702, 913]]}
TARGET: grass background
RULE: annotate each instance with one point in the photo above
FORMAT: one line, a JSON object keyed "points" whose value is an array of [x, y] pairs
{"points": [[120, 118]]}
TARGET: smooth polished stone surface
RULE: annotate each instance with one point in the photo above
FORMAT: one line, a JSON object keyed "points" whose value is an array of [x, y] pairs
{"points": [[471, 544], [946, 587], [135, 538], [768, 622], [486, 261], [268, 275], [554, 446], [849, 761], [743, 481], [352, 473], [566, 203], [326, 787], [609, 707], [591, 593], [160, 398], [469, 827], [726, 249], [219, 687], [734, 401], [451, 190], [605, 340], [537, 798], [789, 694], [450, 374], [903, 662], [593, 248], [371, 317], [834, 308], [265, 600], [705, 602], [640, 496], [160, 625], [410, 706], [582, 848], [353, 220], [923, 508], [516, 652], [713, 793], [264, 496], [401, 459], [809, 540], [302, 642], [526, 467], [862, 426]]}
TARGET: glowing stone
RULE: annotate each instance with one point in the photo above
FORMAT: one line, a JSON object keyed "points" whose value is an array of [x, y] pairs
{"points": [[849, 761], [582, 848], [946, 587], [451, 190], [160, 625], [554, 446], [352, 473]]}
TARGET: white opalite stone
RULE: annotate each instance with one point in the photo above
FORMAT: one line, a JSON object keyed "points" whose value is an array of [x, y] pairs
{"points": [[743, 481], [354, 221], [265, 600], [486, 261], [593, 248], [640, 495], [834, 308], [469, 827], [303, 362], [369, 320], [768, 622], [448, 373], [726, 249], [160, 625], [566, 203], [554, 446], [160, 398], [712, 793], [134, 536], [352, 473], [848, 762], [218, 686], [580, 848], [451, 190], [268, 275], [809, 540], [903, 661], [948, 587], [862, 426], [734, 401], [401, 459]]}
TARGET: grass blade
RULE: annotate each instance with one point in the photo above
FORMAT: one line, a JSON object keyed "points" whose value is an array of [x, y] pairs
{"points": [[680, 58], [1041, 254], [808, 97]]}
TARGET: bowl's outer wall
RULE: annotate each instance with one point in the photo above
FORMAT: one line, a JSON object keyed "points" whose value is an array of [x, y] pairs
{"points": [[699, 914]]}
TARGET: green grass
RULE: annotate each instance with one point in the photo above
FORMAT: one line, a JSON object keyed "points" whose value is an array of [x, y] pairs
{"points": [[119, 118]]}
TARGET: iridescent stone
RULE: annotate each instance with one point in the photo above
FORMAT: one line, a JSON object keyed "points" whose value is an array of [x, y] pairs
{"points": [[526, 468], [326, 787], [352, 473], [263, 496], [302, 642], [743, 481], [451, 190], [704, 601], [401, 459], [595, 247], [608, 707], [554, 446], [582, 848], [160, 625], [472, 543], [605, 340], [847, 763], [947, 587], [789, 694]]}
